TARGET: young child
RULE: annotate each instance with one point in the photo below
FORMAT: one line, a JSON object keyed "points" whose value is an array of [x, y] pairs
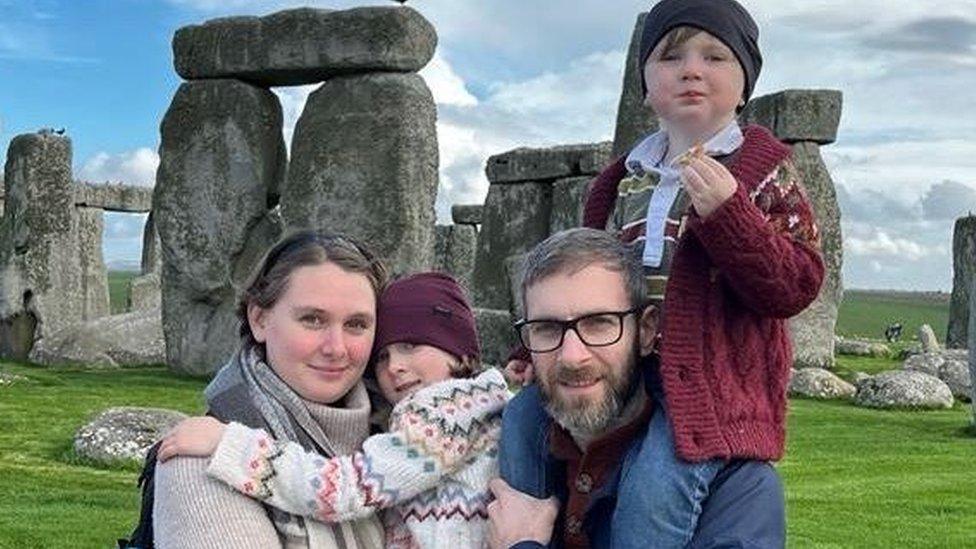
{"points": [[430, 472], [730, 249]]}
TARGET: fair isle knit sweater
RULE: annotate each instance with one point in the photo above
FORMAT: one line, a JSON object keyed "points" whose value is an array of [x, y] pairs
{"points": [[430, 472], [734, 279]]}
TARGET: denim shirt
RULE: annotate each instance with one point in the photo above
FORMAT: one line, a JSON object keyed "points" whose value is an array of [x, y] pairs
{"points": [[745, 508]]}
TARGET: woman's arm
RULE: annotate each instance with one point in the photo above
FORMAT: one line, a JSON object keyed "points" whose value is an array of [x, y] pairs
{"points": [[193, 511]]}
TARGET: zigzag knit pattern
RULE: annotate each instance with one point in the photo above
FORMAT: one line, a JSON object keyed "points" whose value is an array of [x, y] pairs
{"points": [[431, 471]]}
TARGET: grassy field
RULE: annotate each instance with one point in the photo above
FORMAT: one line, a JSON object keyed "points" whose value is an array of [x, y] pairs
{"points": [[118, 289], [866, 313], [854, 477]]}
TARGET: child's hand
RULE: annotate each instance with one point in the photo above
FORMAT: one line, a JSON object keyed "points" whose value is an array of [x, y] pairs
{"points": [[195, 436], [708, 184], [519, 372]]}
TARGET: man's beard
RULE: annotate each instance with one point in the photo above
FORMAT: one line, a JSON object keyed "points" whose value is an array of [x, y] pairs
{"points": [[582, 416]]}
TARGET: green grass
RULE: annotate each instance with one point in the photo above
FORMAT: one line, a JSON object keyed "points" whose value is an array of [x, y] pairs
{"points": [[118, 289], [868, 313], [854, 477]]}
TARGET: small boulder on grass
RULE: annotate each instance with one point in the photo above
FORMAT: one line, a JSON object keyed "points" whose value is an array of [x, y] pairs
{"points": [[904, 389], [819, 383], [859, 347], [951, 366], [10, 379], [926, 336], [125, 433]]}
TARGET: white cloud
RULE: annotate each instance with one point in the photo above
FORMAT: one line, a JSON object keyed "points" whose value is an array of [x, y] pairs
{"points": [[137, 167], [881, 244], [447, 87]]}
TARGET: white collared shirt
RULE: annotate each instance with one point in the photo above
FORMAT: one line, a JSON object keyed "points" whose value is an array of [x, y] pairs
{"points": [[648, 156]]}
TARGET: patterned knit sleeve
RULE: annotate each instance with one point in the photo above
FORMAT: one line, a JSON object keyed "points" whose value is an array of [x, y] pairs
{"points": [[426, 443], [767, 245]]}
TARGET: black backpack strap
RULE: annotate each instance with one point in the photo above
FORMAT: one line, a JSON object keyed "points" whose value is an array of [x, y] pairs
{"points": [[142, 536]]}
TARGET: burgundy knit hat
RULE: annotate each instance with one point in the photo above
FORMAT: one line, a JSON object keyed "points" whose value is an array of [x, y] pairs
{"points": [[428, 309]]}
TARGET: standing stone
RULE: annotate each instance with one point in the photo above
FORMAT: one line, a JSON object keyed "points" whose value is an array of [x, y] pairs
{"points": [[634, 120], [467, 214], [496, 334], [94, 274], [454, 251], [926, 336], [151, 258], [305, 45], [797, 115], [40, 272], [364, 163], [516, 218], [972, 352], [567, 203], [963, 268], [221, 153]]}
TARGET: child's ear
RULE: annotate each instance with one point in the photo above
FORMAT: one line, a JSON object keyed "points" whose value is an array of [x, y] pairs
{"points": [[257, 319], [647, 329]]}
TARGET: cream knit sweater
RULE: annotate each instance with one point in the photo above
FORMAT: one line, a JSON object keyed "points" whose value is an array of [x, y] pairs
{"points": [[431, 470], [194, 511]]}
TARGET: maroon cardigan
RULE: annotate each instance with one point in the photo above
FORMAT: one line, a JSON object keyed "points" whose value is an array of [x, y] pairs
{"points": [[735, 278]]}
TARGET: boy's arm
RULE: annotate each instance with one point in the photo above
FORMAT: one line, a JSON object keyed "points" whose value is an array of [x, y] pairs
{"points": [[391, 468], [767, 244]]}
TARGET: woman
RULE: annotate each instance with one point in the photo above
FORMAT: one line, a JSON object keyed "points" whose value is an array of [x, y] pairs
{"points": [[308, 319]]}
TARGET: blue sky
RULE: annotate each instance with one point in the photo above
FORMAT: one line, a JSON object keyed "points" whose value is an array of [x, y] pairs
{"points": [[535, 73]]}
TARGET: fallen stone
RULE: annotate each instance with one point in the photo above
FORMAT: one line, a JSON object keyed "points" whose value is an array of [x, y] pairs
{"points": [[963, 271], [950, 367], [128, 339], [123, 434], [547, 164], [364, 163], [797, 115], [819, 383], [859, 377], [496, 334], [222, 156], [467, 214], [305, 45], [113, 197], [857, 347], [904, 389]]}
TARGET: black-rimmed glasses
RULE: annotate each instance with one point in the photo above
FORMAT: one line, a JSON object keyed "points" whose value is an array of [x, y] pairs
{"points": [[595, 330]]}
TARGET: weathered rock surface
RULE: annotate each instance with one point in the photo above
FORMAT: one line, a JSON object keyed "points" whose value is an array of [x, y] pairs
{"points": [[467, 214], [516, 219], [971, 354], [567, 203], [42, 287], [94, 273], [134, 338], [813, 329], [113, 197], [305, 45], [904, 389], [819, 383], [222, 156], [547, 164], [926, 336], [364, 163], [634, 120], [951, 367], [125, 433], [496, 334], [145, 293], [857, 347], [152, 258], [797, 115], [454, 249], [963, 271]]}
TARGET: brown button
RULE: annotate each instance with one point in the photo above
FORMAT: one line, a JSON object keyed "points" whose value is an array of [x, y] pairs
{"points": [[573, 525], [584, 483]]}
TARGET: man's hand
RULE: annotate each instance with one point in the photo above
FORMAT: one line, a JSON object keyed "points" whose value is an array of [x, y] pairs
{"points": [[708, 184], [195, 436], [519, 372], [514, 517]]}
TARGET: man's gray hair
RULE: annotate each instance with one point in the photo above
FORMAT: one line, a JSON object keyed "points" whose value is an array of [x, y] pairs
{"points": [[571, 251]]}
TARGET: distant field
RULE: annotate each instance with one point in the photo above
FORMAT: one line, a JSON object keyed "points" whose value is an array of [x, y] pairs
{"points": [[866, 313], [118, 289]]}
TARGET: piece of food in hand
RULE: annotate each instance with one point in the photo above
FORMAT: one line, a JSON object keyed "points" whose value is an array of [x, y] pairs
{"points": [[685, 158]]}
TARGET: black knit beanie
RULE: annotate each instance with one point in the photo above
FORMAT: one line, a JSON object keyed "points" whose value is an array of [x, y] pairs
{"points": [[727, 20]]}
